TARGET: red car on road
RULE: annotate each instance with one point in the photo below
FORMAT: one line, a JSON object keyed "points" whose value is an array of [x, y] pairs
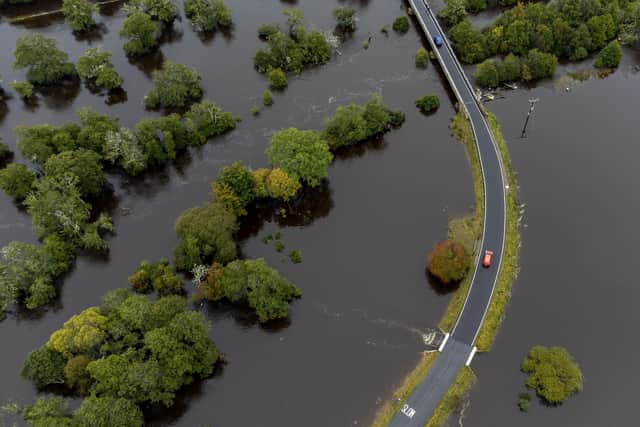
{"points": [[486, 259]]}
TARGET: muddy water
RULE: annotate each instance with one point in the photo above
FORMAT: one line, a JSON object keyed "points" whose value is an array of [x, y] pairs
{"points": [[363, 236], [578, 286]]}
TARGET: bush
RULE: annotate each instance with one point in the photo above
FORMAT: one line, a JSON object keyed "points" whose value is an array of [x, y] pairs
{"points": [[267, 98], [448, 261], [428, 103], [254, 110], [142, 32], [79, 14], [422, 58], [24, 89], [295, 256], [208, 15], [46, 63], [96, 65], [401, 24], [16, 181], [175, 85], [524, 399], [609, 56], [277, 79], [553, 373]]}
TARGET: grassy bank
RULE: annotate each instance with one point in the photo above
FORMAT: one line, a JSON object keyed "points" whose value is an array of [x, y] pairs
{"points": [[463, 383]]}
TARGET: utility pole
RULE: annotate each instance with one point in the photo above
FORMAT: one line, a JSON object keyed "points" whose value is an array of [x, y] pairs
{"points": [[532, 106]]}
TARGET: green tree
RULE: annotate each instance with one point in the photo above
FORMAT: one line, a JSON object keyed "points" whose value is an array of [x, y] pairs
{"points": [[295, 22], [24, 89], [553, 373], [84, 164], [543, 38], [609, 57], [422, 58], [45, 63], [377, 115], [346, 18], [277, 79], [80, 334], [208, 15], [267, 30], [122, 148], [510, 69], [267, 98], [161, 138], [303, 154], [205, 120], [240, 180], [95, 65], [79, 14], [517, 37], [158, 276], [47, 412], [175, 85], [454, 12], [602, 28], [347, 126], [448, 261], [16, 181], [108, 411], [44, 367], [95, 127], [76, 376], [401, 24], [537, 65], [630, 24], [162, 10], [487, 74], [142, 33], [428, 103], [468, 42]]}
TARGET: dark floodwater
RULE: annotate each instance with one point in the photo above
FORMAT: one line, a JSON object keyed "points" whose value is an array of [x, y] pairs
{"points": [[355, 332], [578, 285]]}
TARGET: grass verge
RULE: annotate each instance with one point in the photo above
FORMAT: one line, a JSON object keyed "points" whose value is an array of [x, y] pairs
{"points": [[462, 384]]}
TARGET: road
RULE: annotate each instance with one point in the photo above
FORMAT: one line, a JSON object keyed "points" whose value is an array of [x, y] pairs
{"points": [[458, 349]]}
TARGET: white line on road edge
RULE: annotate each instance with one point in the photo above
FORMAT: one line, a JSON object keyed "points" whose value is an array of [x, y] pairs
{"points": [[473, 353], [444, 341]]}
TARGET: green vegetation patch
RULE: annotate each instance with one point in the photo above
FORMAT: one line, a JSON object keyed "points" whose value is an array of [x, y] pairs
{"points": [[553, 373], [452, 398]]}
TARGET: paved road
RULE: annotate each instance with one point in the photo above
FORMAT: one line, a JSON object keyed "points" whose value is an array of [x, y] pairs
{"points": [[418, 408]]}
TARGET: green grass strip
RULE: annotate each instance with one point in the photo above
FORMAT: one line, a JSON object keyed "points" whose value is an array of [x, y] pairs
{"points": [[452, 398]]}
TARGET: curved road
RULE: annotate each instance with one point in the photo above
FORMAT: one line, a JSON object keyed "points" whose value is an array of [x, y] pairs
{"points": [[458, 349]]}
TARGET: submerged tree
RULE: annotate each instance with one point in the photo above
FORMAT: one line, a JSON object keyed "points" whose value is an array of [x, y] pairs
{"points": [[346, 18], [96, 65], [208, 15], [553, 373], [142, 33], [175, 85], [79, 14], [448, 261], [45, 63]]}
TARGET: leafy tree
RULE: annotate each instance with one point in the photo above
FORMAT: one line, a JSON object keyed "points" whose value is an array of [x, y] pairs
{"points": [[142, 33], [108, 411], [609, 56], [24, 89], [347, 126], [44, 367], [122, 148], [254, 282], [295, 22], [161, 138], [543, 38], [553, 373], [84, 164], [401, 24], [175, 85], [95, 127], [377, 115], [428, 103], [275, 183], [448, 261], [211, 287], [208, 15], [39, 142], [346, 18], [16, 181], [157, 276], [277, 79], [510, 68], [95, 65], [487, 74], [162, 10], [602, 28], [240, 180], [468, 42], [205, 120], [79, 14], [80, 334], [267, 98], [538, 65], [630, 24], [267, 30], [454, 12], [60, 254], [45, 63], [476, 6], [205, 231], [304, 155], [76, 376], [47, 412], [422, 58]]}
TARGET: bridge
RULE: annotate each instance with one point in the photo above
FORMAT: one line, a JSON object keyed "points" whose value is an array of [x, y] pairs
{"points": [[457, 349]]}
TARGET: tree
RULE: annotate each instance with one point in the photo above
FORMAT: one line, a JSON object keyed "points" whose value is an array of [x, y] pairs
{"points": [[346, 18], [16, 181], [84, 164], [45, 63], [205, 120], [142, 33], [108, 411], [468, 42], [609, 56], [95, 127], [295, 22], [211, 287], [80, 334], [401, 24], [347, 126], [79, 14], [46, 412], [277, 79], [240, 179], [476, 6], [267, 30], [24, 89], [76, 376], [158, 276], [162, 10], [44, 367], [448, 261], [454, 12], [175, 85], [487, 74], [161, 138], [377, 115], [428, 103], [510, 68], [304, 155], [122, 148], [538, 65], [422, 58], [267, 98], [95, 65], [208, 15], [516, 37], [553, 373]]}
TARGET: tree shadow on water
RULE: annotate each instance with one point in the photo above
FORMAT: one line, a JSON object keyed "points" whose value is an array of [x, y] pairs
{"points": [[440, 287], [358, 150]]}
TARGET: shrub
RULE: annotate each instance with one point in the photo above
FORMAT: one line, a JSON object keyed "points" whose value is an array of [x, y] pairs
{"points": [[401, 24], [142, 32], [175, 85], [385, 29], [277, 79], [46, 63], [448, 261], [422, 58], [267, 98], [96, 65], [428, 103], [609, 56], [24, 89], [79, 14], [553, 374]]}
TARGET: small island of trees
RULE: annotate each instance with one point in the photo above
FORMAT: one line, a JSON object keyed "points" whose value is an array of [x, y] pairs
{"points": [[553, 373]]}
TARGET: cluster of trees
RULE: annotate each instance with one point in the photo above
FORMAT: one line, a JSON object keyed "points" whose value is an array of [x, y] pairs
{"points": [[295, 49], [127, 352], [448, 261], [553, 374], [174, 86], [539, 34], [158, 277], [208, 15]]}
